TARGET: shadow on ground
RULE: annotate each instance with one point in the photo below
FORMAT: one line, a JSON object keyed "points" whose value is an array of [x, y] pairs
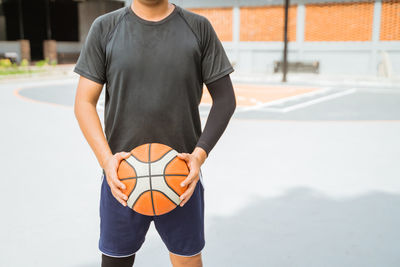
{"points": [[300, 228], [304, 228]]}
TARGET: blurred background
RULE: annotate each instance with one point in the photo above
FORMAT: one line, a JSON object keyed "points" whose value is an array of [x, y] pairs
{"points": [[334, 37], [306, 173]]}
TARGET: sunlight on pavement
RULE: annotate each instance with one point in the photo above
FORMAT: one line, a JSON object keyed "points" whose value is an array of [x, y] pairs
{"points": [[251, 95]]}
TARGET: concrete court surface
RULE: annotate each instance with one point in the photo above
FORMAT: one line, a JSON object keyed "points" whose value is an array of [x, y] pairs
{"points": [[311, 181]]}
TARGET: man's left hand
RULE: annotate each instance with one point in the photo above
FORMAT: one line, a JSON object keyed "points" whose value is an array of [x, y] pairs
{"points": [[194, 162]]}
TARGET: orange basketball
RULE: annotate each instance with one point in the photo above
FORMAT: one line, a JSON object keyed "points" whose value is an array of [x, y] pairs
{"points": [[152, 175]]}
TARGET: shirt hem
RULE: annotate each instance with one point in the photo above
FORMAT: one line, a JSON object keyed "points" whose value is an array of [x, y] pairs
{"points": [[116, 255], [189, 254], [89, 76], [219, 75]]}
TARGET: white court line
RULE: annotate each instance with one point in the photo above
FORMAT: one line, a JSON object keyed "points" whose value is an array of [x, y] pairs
{"points": [[380, 91], [283, 100], [262, 105], [313, 101], [35, 84]]}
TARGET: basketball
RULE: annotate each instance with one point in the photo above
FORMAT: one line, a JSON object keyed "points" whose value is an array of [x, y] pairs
{"points": [[152, 175]]}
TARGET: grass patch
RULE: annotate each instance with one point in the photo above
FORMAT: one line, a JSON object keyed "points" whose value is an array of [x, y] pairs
{"points": [[12, 71], [11, 68]]}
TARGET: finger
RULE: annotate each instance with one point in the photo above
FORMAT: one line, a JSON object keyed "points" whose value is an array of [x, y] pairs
{"points": [[117, 182], [121, 197], [114, 178], [118, 156], [126, 155], [186, 199], [184, 202], [123, 203], [120, 200], [122, 155], [189, 190], [191, 176], [184, 156], [118, 191], [188, 193]]}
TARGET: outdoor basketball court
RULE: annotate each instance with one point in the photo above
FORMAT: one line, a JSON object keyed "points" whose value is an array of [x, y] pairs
{"points": [[304, 175]]}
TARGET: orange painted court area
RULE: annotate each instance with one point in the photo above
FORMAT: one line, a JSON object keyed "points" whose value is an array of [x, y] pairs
{"points": [[251, 95]]}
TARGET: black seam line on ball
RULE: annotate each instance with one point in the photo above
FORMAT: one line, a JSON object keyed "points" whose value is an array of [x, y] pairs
{"points": [[162, 156], [149, 159], [138, 159], [130, 193], [166, 196], [151, 188], [146, 176], [165, 167], [133, 189], [134, 203], [131, 164]]}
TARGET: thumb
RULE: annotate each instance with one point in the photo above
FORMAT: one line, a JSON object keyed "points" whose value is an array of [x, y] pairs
{"points": [[183, 156], [126, 155], [122, 155]]}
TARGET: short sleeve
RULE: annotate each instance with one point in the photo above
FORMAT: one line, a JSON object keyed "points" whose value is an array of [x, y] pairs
{"points": [[91, 60], [214, 63]]}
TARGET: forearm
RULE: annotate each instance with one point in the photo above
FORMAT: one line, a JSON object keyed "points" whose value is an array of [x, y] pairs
{"points": [[222, 109], [90, 125]]}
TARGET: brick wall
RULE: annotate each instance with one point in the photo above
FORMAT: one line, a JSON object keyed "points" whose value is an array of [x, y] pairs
{"points": [[390, 21], [323, 22], [339, 22], [220, 18], [266, 23]]}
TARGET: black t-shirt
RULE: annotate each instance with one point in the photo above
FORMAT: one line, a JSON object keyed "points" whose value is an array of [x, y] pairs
{"points": [[154, 73]]}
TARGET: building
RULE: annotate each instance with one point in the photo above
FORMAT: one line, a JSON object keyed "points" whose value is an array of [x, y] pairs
{"points": [[343, 36], [36, 29]]}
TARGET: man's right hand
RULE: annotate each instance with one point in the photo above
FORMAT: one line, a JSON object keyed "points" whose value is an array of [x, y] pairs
{"points": [[87, 95], [110, 169]]}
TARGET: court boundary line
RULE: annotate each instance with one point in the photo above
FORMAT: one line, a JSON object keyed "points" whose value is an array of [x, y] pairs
{"points": [[313, 101], [16, 93], [285, 99], [315, 121], [27, 99]]}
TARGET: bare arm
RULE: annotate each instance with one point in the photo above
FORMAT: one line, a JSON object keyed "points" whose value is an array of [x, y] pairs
{"points": [[86, 98]]}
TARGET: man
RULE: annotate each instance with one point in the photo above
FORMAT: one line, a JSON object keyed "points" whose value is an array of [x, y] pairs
{"points": [[154, 57]]}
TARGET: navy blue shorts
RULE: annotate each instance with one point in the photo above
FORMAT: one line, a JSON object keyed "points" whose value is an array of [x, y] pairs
{"points": [[123, 230]]}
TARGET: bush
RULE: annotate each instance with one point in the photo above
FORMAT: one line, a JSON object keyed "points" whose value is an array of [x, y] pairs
{"points": [[24, 63], [41, 63], [5, 63]]}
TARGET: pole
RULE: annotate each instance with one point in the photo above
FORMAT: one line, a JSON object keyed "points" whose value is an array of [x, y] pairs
{"points": [[285, 40], [48, 27], [21, 21]]}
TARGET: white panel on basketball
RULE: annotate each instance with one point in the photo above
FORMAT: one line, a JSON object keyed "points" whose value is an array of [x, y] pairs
{"points": [[158, 183], [157, 167], [141, 168], [142, 185]]}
